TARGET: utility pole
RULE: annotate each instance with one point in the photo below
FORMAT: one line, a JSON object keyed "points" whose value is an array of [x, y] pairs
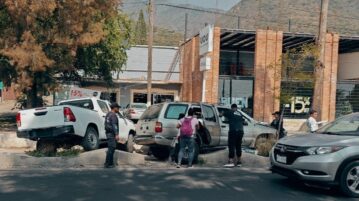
{"points": [[150, 43], [185, 27], [319, 69]]}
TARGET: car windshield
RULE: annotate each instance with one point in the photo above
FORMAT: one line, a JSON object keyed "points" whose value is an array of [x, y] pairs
{"points": [[347, 125]]}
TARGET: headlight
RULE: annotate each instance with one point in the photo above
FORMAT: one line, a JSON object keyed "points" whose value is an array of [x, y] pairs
{"points": [[323, 150]]}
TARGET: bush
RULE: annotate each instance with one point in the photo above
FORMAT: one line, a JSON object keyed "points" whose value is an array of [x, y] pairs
{"points": [[72, 152], [264, 146]]}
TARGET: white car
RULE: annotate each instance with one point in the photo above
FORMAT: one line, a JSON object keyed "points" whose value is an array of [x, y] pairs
{"points": [[72, 122], [134, 111]]}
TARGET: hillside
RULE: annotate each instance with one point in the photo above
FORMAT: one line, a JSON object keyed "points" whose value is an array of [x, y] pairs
{"points": [[302, 14]]}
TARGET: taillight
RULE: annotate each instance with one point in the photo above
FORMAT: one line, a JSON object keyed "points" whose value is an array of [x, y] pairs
{"points": [[18, 119], [158, 127], [69, 115]]}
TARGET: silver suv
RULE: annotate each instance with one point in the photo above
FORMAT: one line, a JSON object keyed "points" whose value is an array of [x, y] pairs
{"points": [[329, 157], [157, 127]]}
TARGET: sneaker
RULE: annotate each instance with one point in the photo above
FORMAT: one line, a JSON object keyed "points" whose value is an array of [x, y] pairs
{"points": [[239, 164], [109, 166], [190, 166], [178, 166], [230, 164]]}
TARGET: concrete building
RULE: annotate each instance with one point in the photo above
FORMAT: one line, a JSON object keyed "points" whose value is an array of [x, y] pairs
{"points": [[244, 67], [130, 85]]}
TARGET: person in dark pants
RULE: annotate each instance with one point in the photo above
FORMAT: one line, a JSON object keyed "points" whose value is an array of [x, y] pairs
{"points": [[235, 136], [111, 126], [277, 123]]}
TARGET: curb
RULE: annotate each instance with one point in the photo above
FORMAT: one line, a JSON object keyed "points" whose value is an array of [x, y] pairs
{"points": [[10, 140], [88, 159], [220, 158]]}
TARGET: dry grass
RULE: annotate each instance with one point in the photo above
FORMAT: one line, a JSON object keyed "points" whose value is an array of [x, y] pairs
{"points": [[264, 146]]}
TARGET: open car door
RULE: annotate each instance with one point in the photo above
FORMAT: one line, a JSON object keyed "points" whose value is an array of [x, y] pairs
{"points": [[211, 123]]}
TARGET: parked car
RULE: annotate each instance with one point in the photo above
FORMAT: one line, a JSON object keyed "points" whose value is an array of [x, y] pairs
{"points": [[328, 157], [77, 121], [157, 127], [134, 111]]}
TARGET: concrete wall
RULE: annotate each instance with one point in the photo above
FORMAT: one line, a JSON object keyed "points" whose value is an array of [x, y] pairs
{"points": [[267, 73], [8, 93], [348, 66]]}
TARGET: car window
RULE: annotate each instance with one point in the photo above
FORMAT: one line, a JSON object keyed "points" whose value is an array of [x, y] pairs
{"points": [[349, 125], [174, 110], [153, 112], [103, 106], [87, 104], [139, 106], [208, 113]]}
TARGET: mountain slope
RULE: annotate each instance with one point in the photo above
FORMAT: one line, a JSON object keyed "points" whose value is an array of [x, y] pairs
{"points": [[303, 15]]}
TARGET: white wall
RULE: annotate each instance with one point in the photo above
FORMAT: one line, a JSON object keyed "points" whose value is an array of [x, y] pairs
{"points": [[348, 66]]}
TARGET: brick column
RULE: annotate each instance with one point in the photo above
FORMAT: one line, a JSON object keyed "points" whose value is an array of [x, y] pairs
{"points": [[267, 73], [328, 86], [212, 76]]}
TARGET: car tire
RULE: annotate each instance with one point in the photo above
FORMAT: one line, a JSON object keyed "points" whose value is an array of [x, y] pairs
{"points": [[130, 144], [91, 140], [349, 179], [46, 146], [161, 153]]}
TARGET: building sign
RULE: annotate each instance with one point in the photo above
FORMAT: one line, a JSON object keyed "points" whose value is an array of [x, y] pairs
{"points": [[205, 63], [76, 92], [206, 40], [242, 102], [1, 85], [298, 107]]}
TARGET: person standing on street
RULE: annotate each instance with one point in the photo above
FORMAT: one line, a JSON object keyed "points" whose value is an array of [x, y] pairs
{"points": [[111, 126], [188, 127], [235, 136], [312, 123], [277, 123]]}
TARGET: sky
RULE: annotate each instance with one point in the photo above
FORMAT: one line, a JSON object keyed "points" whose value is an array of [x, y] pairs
{"points": [[222, 4]]}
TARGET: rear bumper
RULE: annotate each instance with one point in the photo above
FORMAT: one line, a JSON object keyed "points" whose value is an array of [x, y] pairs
{"points": [[52, 132], [152, 140]]}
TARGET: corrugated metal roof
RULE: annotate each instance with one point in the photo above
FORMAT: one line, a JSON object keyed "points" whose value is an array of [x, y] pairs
{"points": [[136, 66]]}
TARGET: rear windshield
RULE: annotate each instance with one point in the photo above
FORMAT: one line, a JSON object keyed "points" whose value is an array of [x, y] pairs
{"points": [[139, 106], [174, 110], [80, 103], [152, 112]]}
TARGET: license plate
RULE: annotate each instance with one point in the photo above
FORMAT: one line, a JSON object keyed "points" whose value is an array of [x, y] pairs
{"points": [[281, 159]]}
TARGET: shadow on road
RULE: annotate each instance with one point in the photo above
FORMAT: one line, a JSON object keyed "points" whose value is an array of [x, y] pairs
{"points": [[155, 184]]}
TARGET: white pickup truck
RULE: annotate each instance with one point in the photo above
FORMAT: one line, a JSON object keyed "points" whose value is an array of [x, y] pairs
{"points": [[72, 122]]}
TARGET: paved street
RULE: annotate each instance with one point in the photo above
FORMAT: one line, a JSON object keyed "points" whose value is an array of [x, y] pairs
{"points": [[155, 184]]}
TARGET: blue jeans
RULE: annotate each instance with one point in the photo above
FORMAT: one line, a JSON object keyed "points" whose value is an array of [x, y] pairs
{"points": [[186, 142]]}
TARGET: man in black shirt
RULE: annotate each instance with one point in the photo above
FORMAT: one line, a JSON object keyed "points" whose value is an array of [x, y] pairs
{"points": [[235, 136], [111, 126], [277, 123]]}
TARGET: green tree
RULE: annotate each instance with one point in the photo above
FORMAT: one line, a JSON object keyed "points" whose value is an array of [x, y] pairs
{"points": [[39, 40], [141, 30], [108, 56]]}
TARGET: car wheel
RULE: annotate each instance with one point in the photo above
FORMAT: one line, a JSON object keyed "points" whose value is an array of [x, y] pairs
{"points": [[161, 153], [349, 180], [91, 140], [130, 143], [46, 146]]}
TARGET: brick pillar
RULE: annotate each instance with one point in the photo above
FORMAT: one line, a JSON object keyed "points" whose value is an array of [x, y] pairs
{"points": [[186, 70], [212, 76], [267, 73], [8, 93], [327, 87]]}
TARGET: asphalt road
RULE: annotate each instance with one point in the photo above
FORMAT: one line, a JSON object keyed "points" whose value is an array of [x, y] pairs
{"points": [[156, 185]]}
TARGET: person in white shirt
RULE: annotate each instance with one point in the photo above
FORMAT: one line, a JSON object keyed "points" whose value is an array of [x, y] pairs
{"points": [[312, 123]]}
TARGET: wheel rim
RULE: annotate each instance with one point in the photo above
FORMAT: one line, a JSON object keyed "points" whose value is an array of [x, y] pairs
{"points": [[92, 139], [353, 180]]}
